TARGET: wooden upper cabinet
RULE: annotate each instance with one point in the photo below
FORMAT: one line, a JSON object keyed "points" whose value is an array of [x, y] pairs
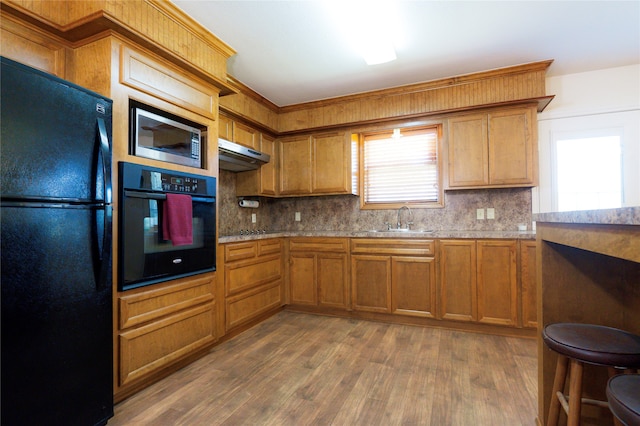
{"points": [[511, 147], [225, 127], [262, 181], [316, 165], [237, 132], [331, 164], [468, 151], [295, 166], [495, 149], [246, 136]]}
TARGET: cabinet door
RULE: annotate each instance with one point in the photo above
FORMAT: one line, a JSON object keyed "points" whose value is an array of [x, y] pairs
{"points": [[225, 127], [263, 180], [331, 164], [371, 283], [497, 282], [295, 166], [304, 288], [245, 135], [458, 300], [468, 151], [511, 147], [413, 290], [528, 284], [333, 279], [268, 171]]}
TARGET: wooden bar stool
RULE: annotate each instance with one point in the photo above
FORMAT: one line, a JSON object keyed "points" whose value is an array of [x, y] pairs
{"points": [[579, 344], [623, 393]]}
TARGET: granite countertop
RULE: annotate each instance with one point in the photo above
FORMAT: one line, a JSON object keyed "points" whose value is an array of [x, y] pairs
{"points": [[523, 235], [621, 216]]}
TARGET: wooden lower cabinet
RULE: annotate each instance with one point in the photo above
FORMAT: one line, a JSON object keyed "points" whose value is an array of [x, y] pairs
{"points": [[413, 286], [458, 285], [478, 281], [163, 325], [253, 283], [319, 272], [528, 284], [497, 282], [394, 276], [371, 283]]}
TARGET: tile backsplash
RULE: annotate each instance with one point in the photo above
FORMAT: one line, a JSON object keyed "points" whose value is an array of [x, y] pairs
{"points": [[512, 206]]}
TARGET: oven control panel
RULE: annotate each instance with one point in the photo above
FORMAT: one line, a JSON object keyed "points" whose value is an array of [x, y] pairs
{"points": [[138, 177], [166, 182]]}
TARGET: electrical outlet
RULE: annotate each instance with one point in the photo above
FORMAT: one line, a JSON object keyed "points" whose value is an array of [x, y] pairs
{"points": [[491, 213], [480, 214], [253, 218], [297, 216]]}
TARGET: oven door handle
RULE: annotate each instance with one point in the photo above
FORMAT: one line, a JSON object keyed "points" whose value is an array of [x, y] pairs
{"points": [[155, 196]]}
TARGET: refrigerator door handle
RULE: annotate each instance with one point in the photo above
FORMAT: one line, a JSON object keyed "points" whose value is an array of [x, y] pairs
{"points": [[105, 150], [104, 249], [104, 266]]}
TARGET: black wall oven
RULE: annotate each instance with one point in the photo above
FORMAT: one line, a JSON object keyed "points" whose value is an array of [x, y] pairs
{"points": [[148, 254]]}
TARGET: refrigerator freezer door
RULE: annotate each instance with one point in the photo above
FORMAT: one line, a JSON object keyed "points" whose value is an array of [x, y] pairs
{"points": [[56, 318], [51, 144]]}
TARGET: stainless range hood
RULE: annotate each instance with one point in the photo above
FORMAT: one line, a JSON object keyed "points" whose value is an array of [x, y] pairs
{"points": [[238, 158]]}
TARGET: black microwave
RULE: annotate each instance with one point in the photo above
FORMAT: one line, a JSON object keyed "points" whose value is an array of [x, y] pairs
{"points": [[148, 252], [162, 136]]}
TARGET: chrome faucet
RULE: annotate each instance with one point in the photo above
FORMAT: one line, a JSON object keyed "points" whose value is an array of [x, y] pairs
{"points": [[409, 222]]}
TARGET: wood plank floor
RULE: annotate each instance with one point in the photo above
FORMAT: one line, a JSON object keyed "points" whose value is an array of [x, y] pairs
{"points": [[300, 369]]}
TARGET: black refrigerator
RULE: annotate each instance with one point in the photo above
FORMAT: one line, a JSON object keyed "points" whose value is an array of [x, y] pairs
{"points": [[55, 231]]}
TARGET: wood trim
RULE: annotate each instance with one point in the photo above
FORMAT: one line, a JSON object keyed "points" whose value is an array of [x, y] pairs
{"points": [[140, 72], [195, 50], [432, 84], [31, 46], [620, 241]]}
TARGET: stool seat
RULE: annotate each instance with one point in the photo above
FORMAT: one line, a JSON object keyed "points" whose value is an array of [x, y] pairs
{"points": [[594, 344], [623, 393]]}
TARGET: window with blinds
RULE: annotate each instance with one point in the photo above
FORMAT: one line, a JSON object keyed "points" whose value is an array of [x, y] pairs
{"points": [[401, 169]]}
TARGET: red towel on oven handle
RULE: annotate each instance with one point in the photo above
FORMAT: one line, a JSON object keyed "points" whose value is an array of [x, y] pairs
{"points": [[177, 224]]}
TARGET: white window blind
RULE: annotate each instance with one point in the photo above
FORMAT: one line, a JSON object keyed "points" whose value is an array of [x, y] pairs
{"points": [[403, 169]]}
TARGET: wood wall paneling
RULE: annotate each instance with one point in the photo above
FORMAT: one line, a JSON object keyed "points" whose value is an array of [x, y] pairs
{"points": [[31, 46]]}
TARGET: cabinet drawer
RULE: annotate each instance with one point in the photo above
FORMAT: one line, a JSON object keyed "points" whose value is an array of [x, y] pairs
{"points": [[152, 347], [240, 276], [248, 305], [269, 247], [393, 246], [336, 245], [239, 251], [138, 308]]}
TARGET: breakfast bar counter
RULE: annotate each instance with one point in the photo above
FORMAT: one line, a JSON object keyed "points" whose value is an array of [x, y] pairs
{"points": [[588, 272]]}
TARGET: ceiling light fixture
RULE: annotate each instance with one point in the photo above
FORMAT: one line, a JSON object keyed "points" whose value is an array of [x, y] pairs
{"points": [[371, 27]]}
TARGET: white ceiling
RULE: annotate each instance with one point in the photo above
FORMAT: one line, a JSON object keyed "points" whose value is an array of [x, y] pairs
{"points": [[291, 52]]}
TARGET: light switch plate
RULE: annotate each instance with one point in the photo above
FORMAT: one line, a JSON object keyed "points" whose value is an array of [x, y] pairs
{"points": [[480, 214], [297, 216], [253, 218], [491, 213]]}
